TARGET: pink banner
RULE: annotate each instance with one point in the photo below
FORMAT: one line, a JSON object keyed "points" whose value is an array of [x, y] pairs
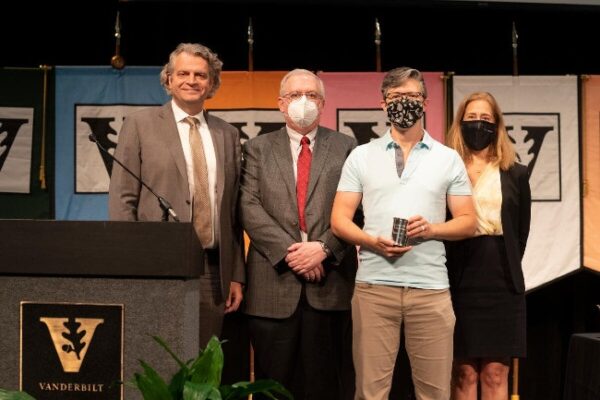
{"points": [[353, 104]]}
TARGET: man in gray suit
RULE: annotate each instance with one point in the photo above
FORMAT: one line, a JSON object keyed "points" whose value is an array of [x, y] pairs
{"points": [[161, 146], [300, 276]]}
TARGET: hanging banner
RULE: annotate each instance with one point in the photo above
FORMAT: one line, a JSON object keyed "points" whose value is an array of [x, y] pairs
{"points": [[353, 104], [94, 100], [23, 192], [540, 113], [591, 166], [248, 100], [16, 149]]}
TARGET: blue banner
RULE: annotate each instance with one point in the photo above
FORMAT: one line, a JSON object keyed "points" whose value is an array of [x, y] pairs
{"points": [[94, 100]]}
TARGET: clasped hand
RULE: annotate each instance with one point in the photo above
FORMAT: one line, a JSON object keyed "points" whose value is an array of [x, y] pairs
{"points": [[306, 260]]}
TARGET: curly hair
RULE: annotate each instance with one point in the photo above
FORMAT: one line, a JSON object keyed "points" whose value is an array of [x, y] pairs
{"points": [[214, 65]]}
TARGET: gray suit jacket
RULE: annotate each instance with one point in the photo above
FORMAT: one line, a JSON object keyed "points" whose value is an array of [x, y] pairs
{"points": [[270, 217], [150, 147]]}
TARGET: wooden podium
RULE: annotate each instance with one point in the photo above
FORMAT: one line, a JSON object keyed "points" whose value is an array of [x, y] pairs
{"points": [[151, 268]]}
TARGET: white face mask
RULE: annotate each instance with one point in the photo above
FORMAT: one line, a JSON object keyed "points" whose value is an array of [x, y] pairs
{"points": [[303, 112]]}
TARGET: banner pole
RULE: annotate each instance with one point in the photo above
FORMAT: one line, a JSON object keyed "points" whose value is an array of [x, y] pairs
{"points": [[250, 45], [42, 171], [515, 379], [377, 46], [514, 50]]}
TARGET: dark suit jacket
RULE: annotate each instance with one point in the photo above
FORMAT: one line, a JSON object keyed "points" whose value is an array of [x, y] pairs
{"points": [[516, 217], [150, 147], [270, 217]]}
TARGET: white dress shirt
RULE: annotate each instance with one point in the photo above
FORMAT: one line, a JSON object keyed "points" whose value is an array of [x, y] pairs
{"points": [[211, 160]]}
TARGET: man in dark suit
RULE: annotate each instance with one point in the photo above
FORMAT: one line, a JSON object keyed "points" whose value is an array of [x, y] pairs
{"points": [[300, 276], [162, 146]]}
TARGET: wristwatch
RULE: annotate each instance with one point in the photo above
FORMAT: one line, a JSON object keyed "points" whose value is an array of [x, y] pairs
{"points": [[326, 249]]}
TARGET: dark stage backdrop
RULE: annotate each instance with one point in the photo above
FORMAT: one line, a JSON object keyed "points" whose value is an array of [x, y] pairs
{"points": [[468, 38]]}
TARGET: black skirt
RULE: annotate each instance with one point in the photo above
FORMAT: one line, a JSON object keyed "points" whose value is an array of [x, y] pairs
{"points": [[490, 315]]}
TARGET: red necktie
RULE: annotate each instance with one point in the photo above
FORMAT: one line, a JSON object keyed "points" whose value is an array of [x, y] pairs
{"points": [[304, 160]]}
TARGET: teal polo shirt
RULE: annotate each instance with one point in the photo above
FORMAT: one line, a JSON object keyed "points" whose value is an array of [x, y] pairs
{"points": [[431, 173]]}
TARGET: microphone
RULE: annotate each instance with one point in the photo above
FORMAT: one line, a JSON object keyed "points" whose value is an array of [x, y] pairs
{"points": [[164, 204]]}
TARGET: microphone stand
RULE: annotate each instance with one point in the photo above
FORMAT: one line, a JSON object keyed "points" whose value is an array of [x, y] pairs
{"points": [[164, 204]]}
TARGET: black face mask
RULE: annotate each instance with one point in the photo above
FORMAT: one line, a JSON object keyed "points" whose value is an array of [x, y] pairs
{"points": [[478, 134]]}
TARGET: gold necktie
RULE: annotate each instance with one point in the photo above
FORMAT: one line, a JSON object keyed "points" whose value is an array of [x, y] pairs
{"points": [[201, 208]]}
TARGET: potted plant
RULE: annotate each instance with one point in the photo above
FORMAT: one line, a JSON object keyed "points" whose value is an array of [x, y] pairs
{"points": [[197, 379], [14, 395], [200, 379]]}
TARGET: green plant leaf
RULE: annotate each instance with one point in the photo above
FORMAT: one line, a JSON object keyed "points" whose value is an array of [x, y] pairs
{"points": [[177, 383], [208, 366], [268, 387], [151, 385], [162, 343], [200, 391], [200, 379], [14, 395]]}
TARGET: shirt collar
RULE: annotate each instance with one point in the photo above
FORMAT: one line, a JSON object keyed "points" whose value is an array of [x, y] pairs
{"points": [[425, 143], [180, 115], [295, 137]]}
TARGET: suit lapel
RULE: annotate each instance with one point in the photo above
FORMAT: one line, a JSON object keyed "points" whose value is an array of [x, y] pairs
{"points": [[283, 157], [505, 188], [219, 144], [319, 157], [168, 125]]}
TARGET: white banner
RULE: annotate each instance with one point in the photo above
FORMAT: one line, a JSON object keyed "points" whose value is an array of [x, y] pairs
{"points": [[16, 138], [541, 117]]}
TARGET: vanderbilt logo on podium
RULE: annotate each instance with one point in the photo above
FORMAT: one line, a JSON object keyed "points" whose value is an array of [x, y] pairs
{"points": [[72, 339], [71, 351]]}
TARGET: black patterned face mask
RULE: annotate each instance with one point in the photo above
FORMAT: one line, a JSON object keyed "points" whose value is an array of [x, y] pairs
{"points": [[404, 112]]}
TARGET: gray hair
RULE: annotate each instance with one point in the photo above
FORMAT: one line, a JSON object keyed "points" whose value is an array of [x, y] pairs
{"points": [[299, 71], [214, 65], [398, 76]]}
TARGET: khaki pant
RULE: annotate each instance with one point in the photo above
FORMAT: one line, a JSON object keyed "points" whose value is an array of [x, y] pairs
{"points": [[378, 312]]}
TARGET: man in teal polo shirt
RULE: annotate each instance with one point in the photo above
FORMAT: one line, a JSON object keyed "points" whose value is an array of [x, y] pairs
{"points": [[407, 174]]}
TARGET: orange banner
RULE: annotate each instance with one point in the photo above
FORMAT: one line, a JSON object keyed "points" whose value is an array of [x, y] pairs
{"points": [[243, 89], [591, 166], [248, 100]]}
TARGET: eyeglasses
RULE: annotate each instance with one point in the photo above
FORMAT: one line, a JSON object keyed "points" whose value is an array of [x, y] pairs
{"points": [[398, 95], [314, 96]]}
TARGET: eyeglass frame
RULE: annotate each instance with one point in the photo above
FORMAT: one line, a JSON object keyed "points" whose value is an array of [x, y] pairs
{"points": [[295, 95], [418, 96]]}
